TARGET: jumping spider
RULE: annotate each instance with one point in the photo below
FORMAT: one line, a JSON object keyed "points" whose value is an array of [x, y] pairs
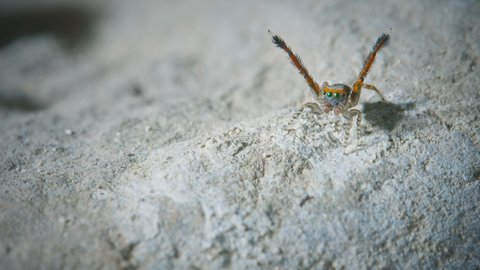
{"points": [[340, 98]]}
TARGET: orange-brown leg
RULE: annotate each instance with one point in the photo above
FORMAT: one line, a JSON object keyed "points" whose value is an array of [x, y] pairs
{"points": [[297, 62], [381, 42]]}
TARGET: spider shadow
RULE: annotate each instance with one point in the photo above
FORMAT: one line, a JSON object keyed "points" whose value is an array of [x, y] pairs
{"points": [[386, 115]]}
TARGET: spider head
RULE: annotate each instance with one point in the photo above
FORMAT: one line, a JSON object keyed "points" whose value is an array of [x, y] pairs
{"points": [[335, 96]]}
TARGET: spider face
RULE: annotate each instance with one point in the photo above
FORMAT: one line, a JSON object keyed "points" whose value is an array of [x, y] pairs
{"points": [[336, 95]]}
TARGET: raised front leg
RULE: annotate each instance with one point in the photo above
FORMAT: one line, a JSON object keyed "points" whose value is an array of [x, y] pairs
{"points": [[371, 87], [279, 42], [381, 42]]}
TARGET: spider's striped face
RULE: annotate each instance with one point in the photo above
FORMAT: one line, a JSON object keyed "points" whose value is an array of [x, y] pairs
{"points": [[336, 95]]}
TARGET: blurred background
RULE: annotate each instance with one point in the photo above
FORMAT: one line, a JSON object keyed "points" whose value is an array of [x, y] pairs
{"points": [[167, 50]]}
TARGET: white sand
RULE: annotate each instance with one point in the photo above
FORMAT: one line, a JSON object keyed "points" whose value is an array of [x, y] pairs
{"points": [[167, 140]]}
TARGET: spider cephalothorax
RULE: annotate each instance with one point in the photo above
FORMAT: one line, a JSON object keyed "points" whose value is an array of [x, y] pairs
{"points": [[339, 98], [335, 97]]}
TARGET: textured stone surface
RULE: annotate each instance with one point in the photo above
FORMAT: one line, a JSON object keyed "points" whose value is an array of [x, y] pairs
{"points": [[167, 140]]}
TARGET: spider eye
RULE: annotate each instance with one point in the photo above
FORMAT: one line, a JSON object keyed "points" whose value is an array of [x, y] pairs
{"points": [[329, 94], [337, 95]]}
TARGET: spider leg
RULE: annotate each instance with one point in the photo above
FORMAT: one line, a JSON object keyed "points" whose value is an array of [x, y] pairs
{"points": [[371, 87], [350, 114], [314, 108], [297, 62], [357, 86]]}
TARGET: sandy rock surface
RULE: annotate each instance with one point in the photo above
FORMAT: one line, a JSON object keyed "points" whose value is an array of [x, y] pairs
{"points": [[164, 137]]}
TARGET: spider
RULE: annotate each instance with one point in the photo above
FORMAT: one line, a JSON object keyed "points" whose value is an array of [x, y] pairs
{"points": [[338, 97]]}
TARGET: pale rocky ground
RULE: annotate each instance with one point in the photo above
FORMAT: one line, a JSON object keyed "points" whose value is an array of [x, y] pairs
{"points": [[165, 138]]}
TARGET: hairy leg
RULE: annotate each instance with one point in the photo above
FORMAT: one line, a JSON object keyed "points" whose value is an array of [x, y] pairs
{"points": [[380, 43], [279, 42]]}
